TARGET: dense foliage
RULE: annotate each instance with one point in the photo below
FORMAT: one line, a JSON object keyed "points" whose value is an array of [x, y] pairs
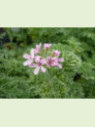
{"points": [[75, 80]]}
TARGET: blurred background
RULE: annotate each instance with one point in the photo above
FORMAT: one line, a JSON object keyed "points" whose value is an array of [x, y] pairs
{"points": [[75, 80]]}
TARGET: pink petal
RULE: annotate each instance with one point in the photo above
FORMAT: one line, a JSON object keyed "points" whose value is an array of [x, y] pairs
{"points": [[43, 61], [26, 56], [53, 64], [59, 65], [37, 58], [61, 59], [48, 58], [47, 46], [56, 53], [54, 59], [32, 53], [36, 70], [43, 69], [28, 62], [38, 48], [32, 65]]}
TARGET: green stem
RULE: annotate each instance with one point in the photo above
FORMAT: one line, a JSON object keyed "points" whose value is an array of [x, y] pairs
{"points": [[49, 78], [50, 83]]}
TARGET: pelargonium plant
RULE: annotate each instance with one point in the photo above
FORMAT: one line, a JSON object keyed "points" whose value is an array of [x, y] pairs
{"points": [[42, 57]]}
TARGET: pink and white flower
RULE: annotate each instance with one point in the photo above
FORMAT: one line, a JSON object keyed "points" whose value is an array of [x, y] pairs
{"points": [[51, 61], [61, 60], [36, 59], [58, 64], [47, 46], [29, 58], [40, 65], [56, 53], [54, 61], [38, 48]]}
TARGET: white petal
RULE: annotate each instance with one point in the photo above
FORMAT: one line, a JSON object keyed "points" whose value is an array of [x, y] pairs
{"points": [[32, 53], [26, 56], [37, 58], [28, 62], [36, 70], [59, 65], [43, 69], [43, 61], [32, 65], [61, 59]]}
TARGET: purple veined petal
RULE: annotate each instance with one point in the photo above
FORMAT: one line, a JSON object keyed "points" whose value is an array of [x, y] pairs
{"points": [[43, 69], [54, 59], [56, 53], [61, 60], [26, 56], [38, 48], [28, 62], [36, 70], [48, 65], [47, 46], [37, 58], [59, 65], [43, 61], [53, 64], [48, 58], [35, 51], [32, 65], [32, 53]]}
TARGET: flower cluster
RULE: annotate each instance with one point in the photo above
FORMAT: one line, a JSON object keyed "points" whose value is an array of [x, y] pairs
{"points": [[39, 62]]}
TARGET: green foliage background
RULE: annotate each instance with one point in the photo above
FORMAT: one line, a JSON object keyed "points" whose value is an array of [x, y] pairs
{"points": [[75, 80]]}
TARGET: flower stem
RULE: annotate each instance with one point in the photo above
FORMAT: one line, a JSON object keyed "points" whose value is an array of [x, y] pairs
{"points": [[50, 83], [49, 78]]}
